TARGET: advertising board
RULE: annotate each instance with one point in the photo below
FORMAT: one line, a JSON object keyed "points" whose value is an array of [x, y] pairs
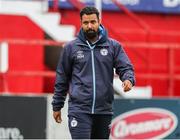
{"points": [[22, 117], [146, 119]]}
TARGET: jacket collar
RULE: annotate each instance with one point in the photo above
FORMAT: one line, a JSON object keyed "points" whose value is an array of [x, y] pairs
{"points": [[100, 42]]}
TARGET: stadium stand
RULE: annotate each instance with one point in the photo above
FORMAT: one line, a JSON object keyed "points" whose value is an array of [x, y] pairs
{"points": [[156, 33]]}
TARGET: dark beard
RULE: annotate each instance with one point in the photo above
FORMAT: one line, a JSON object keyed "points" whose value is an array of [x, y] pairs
{"points": [[91, 34]]}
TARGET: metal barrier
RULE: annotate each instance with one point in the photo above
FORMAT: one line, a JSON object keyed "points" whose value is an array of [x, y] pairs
{"points": [[171, 47]]}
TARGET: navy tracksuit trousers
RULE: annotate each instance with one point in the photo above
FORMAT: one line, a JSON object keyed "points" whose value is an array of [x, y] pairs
{"points": [[89, 126]]}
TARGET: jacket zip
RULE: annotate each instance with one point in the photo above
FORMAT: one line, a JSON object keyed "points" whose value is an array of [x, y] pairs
{"points": [[94, 75]]}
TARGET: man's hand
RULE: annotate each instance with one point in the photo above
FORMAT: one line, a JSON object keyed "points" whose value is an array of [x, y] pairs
{"points": [[57, 116], [127, 85]]}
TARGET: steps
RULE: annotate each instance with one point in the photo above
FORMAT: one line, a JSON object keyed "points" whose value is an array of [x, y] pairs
{"points": [[37, 12]]}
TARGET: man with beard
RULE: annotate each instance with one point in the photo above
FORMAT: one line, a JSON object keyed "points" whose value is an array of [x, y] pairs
{"points": [[86, 70]]}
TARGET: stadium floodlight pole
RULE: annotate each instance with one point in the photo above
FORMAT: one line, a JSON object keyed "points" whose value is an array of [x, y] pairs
{"points": [[98, 5], [44, 6]]}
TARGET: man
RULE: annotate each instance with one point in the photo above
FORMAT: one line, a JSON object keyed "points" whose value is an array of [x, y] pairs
{"points": [[86, 70]]}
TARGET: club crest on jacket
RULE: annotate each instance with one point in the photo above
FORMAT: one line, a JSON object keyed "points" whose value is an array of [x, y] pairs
{"points": [[104, 52]]}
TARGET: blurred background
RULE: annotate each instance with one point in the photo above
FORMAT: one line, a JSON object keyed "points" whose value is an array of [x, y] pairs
{"points": [[32, 34]]}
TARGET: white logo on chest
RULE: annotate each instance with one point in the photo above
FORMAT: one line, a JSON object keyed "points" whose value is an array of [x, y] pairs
{"points": [[104, 52], [80, 55]]}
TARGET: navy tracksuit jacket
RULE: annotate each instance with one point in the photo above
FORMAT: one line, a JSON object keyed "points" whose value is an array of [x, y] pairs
{"points": [[86, 71]]}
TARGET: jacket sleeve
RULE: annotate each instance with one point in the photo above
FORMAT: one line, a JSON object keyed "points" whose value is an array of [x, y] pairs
{"points": [[63, 76], [122, 64]]}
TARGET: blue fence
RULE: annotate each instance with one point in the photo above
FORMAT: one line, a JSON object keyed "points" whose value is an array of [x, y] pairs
{"points": [[155, 6]]}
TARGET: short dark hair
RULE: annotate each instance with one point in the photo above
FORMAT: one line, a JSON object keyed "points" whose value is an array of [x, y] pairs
{"points": [[88, 11]]}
